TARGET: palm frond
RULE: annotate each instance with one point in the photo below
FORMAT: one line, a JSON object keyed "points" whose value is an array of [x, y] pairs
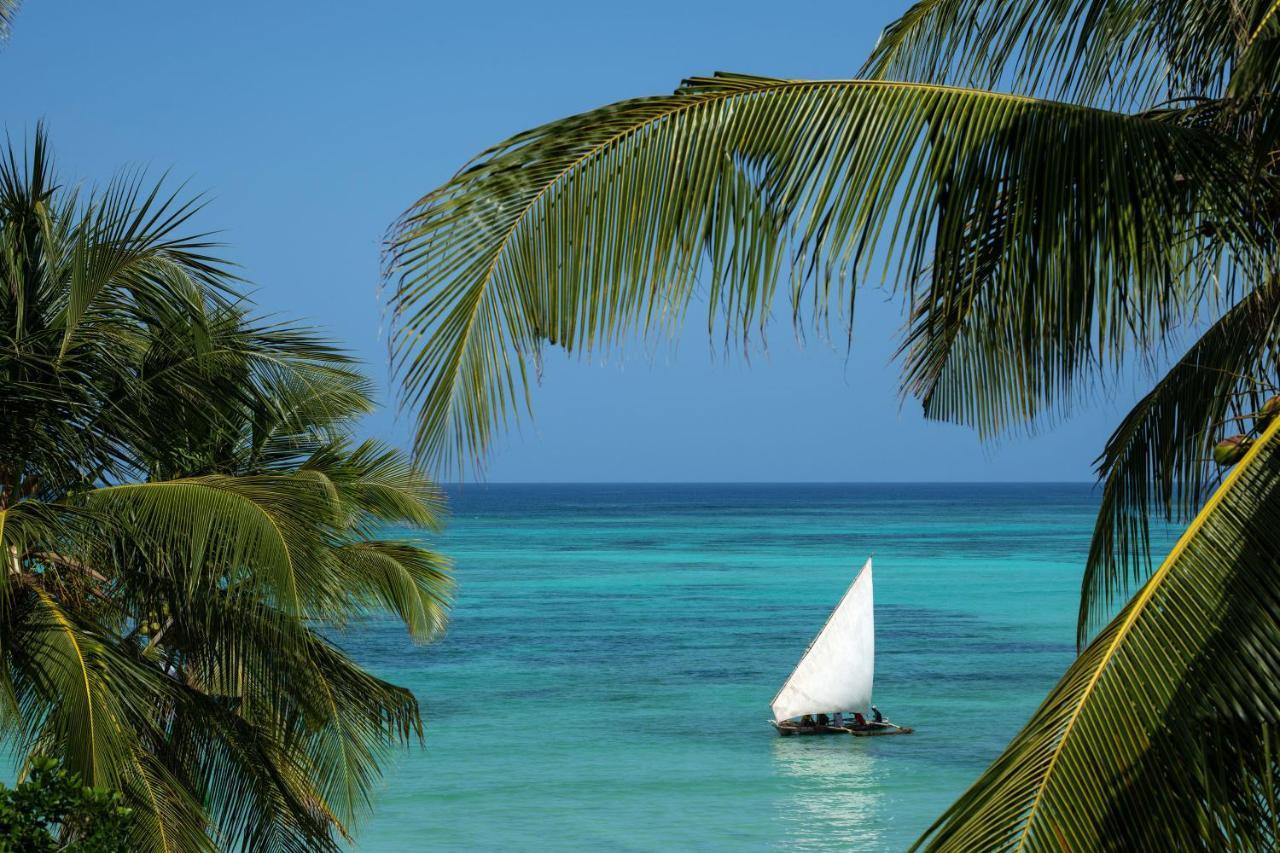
{"points": [[1113, 52], [129, 238], [309, 728], [411, 582], [253, 784], [364, 716], [378, 484], [240, 394], [1159, 460], [167, 817], [86, 724], [263, 525], [1123, 752], [584, 229], [86, 703], [301, 409], [1257, 67]]}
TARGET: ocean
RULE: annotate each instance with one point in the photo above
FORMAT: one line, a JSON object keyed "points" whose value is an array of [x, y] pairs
{"points": [[606, 677]]}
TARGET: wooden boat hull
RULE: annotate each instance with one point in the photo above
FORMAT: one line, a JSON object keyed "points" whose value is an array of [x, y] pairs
{"points": [[878, 729], [789, 729]]}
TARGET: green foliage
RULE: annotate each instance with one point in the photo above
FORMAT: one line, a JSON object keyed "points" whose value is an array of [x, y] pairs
{"points": [[1161, 731], [1120, 186], [1158, 459], [183, 507], [52, 810], [528, 245], [1110, 51]]}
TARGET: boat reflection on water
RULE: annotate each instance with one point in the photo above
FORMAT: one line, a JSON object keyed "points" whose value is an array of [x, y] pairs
{"points": [[834, 792]]}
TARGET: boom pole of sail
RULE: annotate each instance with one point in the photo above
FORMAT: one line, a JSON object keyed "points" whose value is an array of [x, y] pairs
{"points": [[837, 669]]}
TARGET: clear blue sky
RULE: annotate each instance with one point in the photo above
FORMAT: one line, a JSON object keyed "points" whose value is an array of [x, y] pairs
{"points": [[312, 125]]}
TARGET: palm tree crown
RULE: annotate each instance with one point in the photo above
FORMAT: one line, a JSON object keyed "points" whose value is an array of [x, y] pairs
{"points": [[182, 506]]}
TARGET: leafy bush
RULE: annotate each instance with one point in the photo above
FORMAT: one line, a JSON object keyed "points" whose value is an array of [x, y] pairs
{"points": [[53, 811]]}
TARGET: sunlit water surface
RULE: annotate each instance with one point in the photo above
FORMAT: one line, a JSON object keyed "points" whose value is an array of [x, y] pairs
{"points": [[606, 678]]}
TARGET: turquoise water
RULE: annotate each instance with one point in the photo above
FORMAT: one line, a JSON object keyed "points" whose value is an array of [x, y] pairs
{"points": [[605, 682]]}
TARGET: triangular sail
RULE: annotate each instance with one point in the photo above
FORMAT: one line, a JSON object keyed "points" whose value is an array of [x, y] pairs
{"points": [[837, 669]]}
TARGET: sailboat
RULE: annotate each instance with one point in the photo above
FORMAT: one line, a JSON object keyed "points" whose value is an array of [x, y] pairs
{"points": [[833, 678]]}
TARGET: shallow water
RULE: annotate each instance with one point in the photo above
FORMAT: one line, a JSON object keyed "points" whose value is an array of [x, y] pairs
{"points": [[606, 677]]}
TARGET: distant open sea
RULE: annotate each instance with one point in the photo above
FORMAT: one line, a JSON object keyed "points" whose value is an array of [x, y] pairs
{"points": [[606, 678]]}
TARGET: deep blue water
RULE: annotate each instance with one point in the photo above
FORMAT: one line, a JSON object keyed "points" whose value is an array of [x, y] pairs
{"points": [[606, 678]]}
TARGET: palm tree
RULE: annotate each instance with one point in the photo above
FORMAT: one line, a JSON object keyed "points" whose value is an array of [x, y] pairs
{"points": [[183, 509], [1119, 187]]}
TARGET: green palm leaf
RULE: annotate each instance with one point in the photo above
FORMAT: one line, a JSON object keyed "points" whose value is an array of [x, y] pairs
{"points": [[411, 582], [167, 818], [87, 717], [309, 729], [1123, 752], [344, 753], [84, 701], [1159, 459], [584, 229], [378, 486], [260, 523], [1108, 51], [130, 240]]}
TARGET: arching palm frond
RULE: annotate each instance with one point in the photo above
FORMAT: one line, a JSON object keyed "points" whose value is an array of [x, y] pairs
{"points": [[1129, 748], [102, 723], [128, 253], [1159, 460], [585, 228], [261, 526], [361, 717], [1104, 51], [86, 278], [299, 736], [89, 725], [411, 582], [377, 484], [1036, 243], [168, 817], [254, 789], [281, 393]]}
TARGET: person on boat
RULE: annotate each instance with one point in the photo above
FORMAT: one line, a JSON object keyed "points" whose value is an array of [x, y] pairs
{"points": [[806, 721], [823, 720], [858, 719], [876, 715], [837, 719]]}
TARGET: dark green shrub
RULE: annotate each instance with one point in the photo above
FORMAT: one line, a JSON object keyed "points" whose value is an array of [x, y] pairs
{"points": [[53, 811]]}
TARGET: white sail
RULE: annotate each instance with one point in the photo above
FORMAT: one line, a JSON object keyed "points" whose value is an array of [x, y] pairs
{"points": [[836, 671]]}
